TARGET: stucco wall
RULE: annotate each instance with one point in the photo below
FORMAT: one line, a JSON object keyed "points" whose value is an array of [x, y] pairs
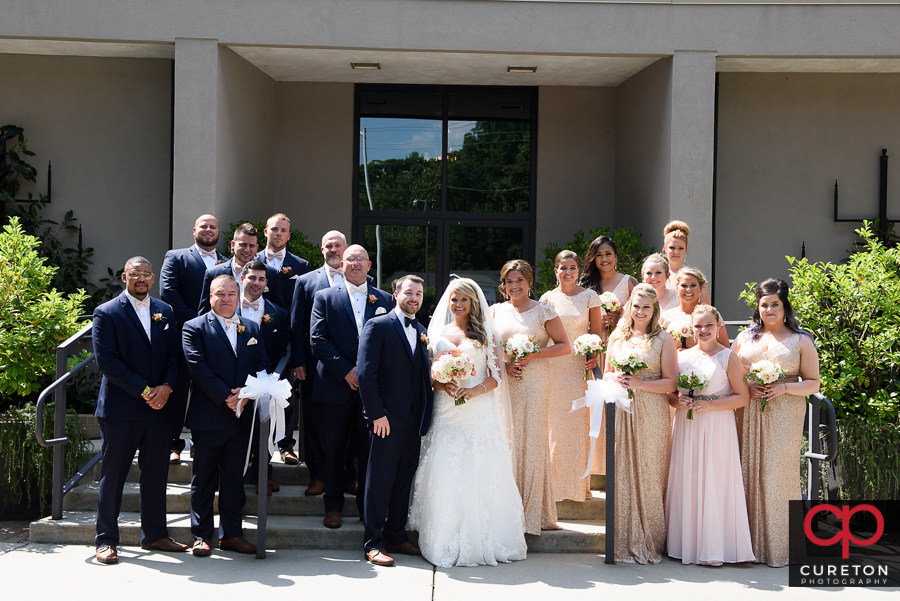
{"points": [[105, 123], [783, 140], [314, 156], [576, 161]]}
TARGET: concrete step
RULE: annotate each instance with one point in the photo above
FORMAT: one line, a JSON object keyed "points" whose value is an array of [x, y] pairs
{"points": [[298, 532], [290, 500], [592, 509]]}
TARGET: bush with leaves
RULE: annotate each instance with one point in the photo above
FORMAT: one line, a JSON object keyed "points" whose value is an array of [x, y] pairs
{"points": [[631, 256], [298, 244], [34, 318]]}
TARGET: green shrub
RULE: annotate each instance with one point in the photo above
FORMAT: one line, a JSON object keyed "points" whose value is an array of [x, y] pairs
{"points": [[631, 254], [34, 318], [869, 457], [298, 244]]}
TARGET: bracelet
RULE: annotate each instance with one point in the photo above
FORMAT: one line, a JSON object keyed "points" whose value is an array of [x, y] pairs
{"points": [[483, 387]]}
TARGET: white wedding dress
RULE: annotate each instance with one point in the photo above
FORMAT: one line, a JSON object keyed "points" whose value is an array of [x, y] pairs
{"points": [[466, 506]]}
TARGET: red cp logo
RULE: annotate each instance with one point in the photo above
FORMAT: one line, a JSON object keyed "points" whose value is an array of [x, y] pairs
{"points": [[844, 537]]}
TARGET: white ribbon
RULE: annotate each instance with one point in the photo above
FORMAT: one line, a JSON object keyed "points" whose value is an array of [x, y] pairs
{"points": [[598, 395], [270, 394]]}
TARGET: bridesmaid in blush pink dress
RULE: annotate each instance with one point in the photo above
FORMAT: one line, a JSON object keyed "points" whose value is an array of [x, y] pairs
{"points": [[706, 510]]}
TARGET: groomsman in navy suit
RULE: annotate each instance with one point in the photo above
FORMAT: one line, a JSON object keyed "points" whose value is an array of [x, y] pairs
{"points": [[180, 285], [276, 334], [221, 350], [338, 316], [288, 265], [243, 246], [334, 244], [137, 346], [395, 387]]}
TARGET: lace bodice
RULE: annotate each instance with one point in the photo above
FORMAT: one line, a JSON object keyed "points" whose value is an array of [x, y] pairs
{"points": [[786, 354], [714, 369], [485, 359]]}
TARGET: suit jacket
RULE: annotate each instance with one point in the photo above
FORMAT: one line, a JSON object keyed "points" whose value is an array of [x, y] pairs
{"points": [[276, 333], [216, 370], [296, 267], [385, 366], [305, 290], [129, 361], [335, 340], [181, 281], [273, 283]]}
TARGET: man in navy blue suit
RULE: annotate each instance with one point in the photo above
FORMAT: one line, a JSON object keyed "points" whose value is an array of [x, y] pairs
{"points": [[180, 285], [243, 246], [221, 350], [276, 255], [334, 244], [395, 387], [276, 335], [338, 316], [137, 346]]}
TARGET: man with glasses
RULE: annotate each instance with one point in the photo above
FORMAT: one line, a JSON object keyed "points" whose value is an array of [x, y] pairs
{"points": [[137, 344]]}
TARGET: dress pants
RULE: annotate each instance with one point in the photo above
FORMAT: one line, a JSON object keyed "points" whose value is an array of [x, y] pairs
{"points": [[176, 407], [392, 466], [345, 430], [218, 460], [120, 439]]}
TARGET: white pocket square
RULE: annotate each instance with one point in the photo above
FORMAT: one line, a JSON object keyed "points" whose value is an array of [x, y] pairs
{"points": [[251, 342], [380, 311], [166, 328], [295, 277], [275, 330]]}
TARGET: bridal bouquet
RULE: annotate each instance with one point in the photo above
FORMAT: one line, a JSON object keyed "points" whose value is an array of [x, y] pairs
{"points": [[628, 363], [453, 365], [764, 372], [587, 345], [681, 331], [691, 381], [520, 345]]}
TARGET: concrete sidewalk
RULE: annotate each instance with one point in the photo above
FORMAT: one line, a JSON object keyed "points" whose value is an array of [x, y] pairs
{"points": [[71, 572]]}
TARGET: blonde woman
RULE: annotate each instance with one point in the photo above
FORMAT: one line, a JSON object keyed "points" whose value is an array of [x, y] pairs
{"points": [[675, 246], [655, 271], [642, 437], [690, 284]]}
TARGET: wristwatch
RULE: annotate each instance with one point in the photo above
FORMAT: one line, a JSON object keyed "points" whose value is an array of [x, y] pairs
{"points": [[147, 390]]}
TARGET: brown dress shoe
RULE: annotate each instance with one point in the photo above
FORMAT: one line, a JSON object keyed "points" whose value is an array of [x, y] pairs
{"points": [[238, 545], [407, 548], [200, 548], [351, 487], [289, 457], [269, 489], [274, 485], [332, 519], [316, 487], [378, 557], [175, 458], [107, 554], [168, 544]]}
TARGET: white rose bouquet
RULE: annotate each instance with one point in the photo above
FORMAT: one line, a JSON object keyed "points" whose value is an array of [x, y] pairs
{"points": [[628, 363], [587, 345], [690, 380], [610, 303], [453, 366], [520, 345], [764, 372]]}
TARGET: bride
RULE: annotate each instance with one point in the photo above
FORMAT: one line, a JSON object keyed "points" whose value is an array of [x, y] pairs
{"points": [[466, 506]]}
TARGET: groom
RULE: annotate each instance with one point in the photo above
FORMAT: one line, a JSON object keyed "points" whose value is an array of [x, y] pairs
{"points": [[395, 387]]}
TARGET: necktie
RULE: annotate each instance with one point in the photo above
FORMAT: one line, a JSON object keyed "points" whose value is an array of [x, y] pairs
{"points": [[208, 253], [411, 321], [351, 288], [143, 303], [234, 320], [274, 255], [253, 305]]}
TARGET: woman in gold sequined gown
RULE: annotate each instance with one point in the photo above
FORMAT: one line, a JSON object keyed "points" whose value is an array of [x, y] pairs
{"points": [[580, 312], [770, 439], [691, 283], [530, 397], [642, 437]]}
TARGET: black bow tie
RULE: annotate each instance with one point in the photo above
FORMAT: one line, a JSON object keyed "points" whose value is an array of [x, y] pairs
{"points": [[411, 321]]}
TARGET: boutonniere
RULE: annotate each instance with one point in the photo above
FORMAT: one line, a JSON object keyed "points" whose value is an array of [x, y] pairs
{"points": [[285, 271], [157, 317], [266, 318], [373, 299], [423, 338], [241, 328]]}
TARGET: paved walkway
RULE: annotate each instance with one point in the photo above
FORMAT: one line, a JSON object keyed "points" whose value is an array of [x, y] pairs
{"points": [[70, 572]]}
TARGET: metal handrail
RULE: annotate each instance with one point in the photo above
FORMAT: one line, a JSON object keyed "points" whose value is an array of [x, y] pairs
{"points": [[813, 455], [39, 416]]}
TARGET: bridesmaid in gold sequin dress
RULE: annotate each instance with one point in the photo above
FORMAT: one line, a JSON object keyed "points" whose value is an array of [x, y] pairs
{"points": [[642, 437], [770, 439], [691, 283], [530, 398], [580, 312], [598, 273]]}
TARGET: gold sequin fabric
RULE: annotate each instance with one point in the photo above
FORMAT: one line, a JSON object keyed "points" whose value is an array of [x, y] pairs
{"points": [[530, 401], [642, 464], [569, 430], [770, 452]]}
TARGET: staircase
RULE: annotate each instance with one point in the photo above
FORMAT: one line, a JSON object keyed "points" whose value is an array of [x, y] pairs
{"points": [[294, 520]]}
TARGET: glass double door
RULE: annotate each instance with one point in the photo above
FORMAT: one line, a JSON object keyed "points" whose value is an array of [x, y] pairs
{"points": [[441, 250]]}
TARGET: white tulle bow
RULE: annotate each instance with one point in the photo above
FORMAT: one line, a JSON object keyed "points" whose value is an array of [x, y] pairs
{"points": [[599, 394], [270, 394]]}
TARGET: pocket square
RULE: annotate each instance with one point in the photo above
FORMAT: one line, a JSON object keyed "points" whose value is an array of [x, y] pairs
{"points": [[251, 342], [380, 311], [275, 330], [294, 277], [166, 328]]}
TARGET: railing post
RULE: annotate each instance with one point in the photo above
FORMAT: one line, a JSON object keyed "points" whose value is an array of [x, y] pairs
{"points": [[59, 431], [610, 483], [262, 484], [812, 479]]}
